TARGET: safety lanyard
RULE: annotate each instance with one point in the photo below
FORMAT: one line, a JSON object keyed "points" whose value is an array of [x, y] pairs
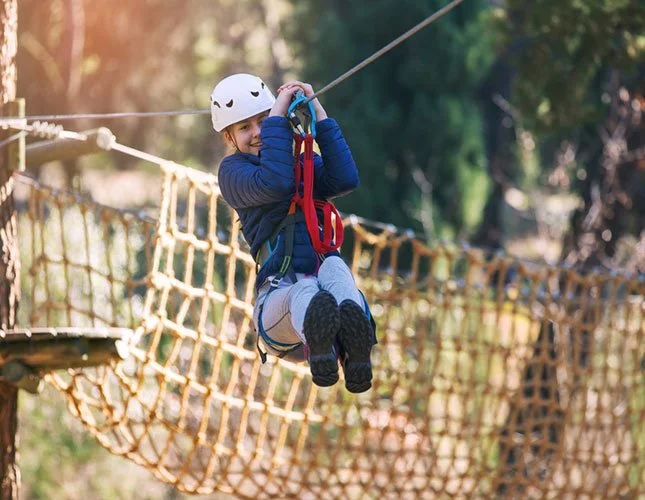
{"points": [[332, 224]]}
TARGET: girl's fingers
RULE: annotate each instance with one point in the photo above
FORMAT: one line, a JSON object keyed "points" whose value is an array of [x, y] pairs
{"points": [[288, 85], [305, 87], [290, 90]]}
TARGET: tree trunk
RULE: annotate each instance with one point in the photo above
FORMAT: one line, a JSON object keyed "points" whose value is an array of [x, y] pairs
{"points": [[9, 258], [532, 431], [499, 137]]}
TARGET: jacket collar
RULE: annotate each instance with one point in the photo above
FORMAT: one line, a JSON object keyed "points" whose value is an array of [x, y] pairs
{"points": [[249, 157]]}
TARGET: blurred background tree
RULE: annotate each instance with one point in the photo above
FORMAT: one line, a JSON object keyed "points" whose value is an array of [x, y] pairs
{"points": [[411, 117], [576, 92], [578, 87]]}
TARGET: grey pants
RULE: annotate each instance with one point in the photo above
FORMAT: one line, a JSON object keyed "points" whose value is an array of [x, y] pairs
{"points": [[283, 310]]}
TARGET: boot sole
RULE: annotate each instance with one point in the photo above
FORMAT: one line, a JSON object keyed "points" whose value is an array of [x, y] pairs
{"points": [[320, 328], [355, 338]]}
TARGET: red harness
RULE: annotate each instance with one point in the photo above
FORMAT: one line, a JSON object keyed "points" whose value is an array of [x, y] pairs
{"points": [[332, 225]]}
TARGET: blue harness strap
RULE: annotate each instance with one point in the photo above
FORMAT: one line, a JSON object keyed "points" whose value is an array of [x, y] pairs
{"points": [[282, 348], [286, 228]]}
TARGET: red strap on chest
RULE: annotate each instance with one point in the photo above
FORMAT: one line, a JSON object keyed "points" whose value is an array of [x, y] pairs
{"points": [[332, 225]]}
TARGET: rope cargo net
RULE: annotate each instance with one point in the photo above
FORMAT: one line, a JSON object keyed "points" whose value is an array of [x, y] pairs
{"points": [[492, 377]]}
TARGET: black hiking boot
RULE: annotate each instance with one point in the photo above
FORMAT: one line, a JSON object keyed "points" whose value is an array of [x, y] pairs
{"points": [[356, 339], [320, 328]]}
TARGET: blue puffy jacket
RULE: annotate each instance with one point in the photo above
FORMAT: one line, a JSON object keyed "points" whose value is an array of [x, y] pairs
{"points": [[260, 188]]}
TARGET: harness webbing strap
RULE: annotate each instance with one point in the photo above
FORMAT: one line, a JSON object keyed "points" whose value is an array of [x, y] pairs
{"points": [[266, 250], [332, 224]]}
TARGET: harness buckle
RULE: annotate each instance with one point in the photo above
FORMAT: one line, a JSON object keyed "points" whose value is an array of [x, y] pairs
{"points": [[275, 281]]}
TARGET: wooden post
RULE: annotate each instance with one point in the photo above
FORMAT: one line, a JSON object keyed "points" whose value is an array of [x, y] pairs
{"points": [[16, 149], [9, 258]]}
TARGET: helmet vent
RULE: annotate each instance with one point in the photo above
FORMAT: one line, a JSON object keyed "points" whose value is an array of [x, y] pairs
{"points": [[229, 104], [255, 94], [216, 104]]}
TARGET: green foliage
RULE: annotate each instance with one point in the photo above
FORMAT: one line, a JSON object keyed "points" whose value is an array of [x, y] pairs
{"points": [[412, 110], [563, 49]]}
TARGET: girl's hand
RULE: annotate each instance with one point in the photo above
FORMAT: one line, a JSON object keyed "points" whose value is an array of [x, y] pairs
{"points": [[292, 87], [282, 102]]}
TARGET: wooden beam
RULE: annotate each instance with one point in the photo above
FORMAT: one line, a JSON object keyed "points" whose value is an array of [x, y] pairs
{"points": [[47, 333], [47, 349], [97, 141], [61, 354]]}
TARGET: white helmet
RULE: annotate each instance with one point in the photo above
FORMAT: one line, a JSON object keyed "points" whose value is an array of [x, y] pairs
{"points": [[238, 97]]}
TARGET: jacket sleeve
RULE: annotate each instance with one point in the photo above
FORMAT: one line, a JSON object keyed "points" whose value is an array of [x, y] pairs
{"points": [[246, 184], [336, 173]]}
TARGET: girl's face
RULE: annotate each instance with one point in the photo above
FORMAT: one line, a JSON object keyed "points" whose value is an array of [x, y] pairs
{"points": [[245, 135]]}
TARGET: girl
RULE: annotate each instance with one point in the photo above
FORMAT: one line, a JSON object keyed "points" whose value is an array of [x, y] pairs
{"points": [[307, 303]]}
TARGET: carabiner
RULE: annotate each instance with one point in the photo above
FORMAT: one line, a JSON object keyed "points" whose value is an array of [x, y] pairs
{"points": [[299, 99]]}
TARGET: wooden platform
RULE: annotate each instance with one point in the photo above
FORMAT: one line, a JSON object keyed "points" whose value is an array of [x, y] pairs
{"points": [[28, 353]]}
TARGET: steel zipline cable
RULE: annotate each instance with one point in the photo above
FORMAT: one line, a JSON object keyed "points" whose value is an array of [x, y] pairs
{"points": [[133, 114], [88, 116], [412, 31], [12, 138]]}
